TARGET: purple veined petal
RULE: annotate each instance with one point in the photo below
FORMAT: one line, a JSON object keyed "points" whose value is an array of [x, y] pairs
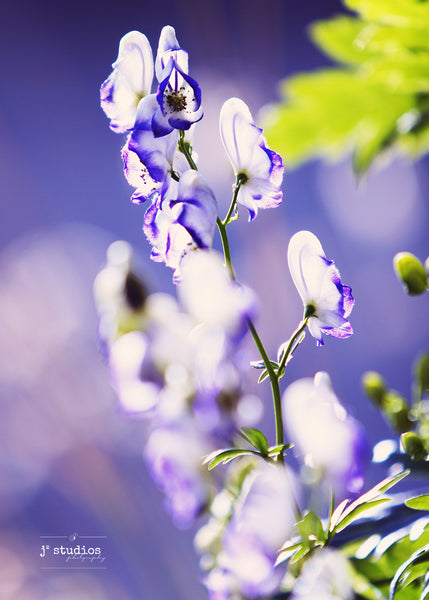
{"points": [[169, 48], [130, 80], [198, 208], [160, 124], [238, 133], [179, 97], [138, 176], [349, 301]]}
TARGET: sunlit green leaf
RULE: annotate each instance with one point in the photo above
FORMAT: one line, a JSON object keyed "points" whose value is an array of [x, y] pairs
{"points": [[419, 502], [225, 456], [256, 438], [421, 555]]}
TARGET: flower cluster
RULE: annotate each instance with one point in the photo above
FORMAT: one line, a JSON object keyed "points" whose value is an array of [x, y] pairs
{"points": [[158, 158], [177, 364], [171, 364]]}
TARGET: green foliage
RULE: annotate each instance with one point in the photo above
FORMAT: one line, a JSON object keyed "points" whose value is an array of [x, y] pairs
{"points": [[376, 99], [395, 567]]}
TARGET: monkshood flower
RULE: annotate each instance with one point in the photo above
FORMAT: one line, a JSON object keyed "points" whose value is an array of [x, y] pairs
{"points": [[258, 169], [178, 95], [331, 443], [325, 576], [181, 219], [262, 519], [327, 302], [120, 295], [211, 297], [174, 455], [129, 82], [147, 159]]}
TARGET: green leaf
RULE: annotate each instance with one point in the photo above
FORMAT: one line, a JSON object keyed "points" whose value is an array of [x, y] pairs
{"points": [[357, 510], [256, 438], [421, 555], [419, 502], [401, 13], [225, 456], [311, 528], [342, 516], [274, 451], [339, 38]]}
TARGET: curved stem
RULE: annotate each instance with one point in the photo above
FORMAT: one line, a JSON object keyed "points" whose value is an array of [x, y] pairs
{"points": [[184, 148], [240, 179], [291, 347]]}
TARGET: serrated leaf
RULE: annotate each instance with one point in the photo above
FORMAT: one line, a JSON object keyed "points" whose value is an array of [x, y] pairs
{"points": [[256, 438], [420, 555], [225, 456], [419, 502]]}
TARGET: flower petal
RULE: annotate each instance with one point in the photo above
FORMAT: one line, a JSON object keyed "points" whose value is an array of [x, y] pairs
{"points": [[130, 80]]}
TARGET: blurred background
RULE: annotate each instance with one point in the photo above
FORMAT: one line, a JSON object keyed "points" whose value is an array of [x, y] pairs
{"points": [[70, 461]]}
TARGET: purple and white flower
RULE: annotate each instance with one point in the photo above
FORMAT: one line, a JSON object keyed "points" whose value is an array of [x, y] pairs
{"points": [[147, 159], [327, 301], [174, 455], [181, 219], [262, 519], [330, 442], [179, 95], [259, 169], [129, 82]]}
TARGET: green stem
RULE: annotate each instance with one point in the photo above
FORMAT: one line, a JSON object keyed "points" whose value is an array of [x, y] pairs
{"points": [[240, 179], [274, 387], [225, 243], [290, 346], [184, 148]]}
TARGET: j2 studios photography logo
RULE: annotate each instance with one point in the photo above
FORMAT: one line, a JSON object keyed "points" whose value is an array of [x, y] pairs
{"points": [[73, 551]]}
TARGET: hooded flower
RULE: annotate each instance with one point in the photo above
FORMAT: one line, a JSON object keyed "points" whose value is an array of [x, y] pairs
{"points": [[129, 82], [178, 96], [330, 442], [183, 218], [327, 302], [259, 169], [147, 159]]}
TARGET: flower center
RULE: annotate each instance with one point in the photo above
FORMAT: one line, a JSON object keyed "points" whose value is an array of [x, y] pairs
{"points": [[176, 100]]}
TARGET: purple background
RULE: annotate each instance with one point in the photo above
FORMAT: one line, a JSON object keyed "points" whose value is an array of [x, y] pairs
{"points": [[71, 462]]}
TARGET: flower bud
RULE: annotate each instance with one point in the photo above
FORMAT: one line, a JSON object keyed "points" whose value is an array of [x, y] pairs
{"points": [[422, 371], [374, 387], [413, 445], [411, 272], [396, 410]]}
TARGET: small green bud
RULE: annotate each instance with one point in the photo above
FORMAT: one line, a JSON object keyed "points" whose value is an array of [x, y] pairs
{"points": [[413, 445], [374, 387], [422, 371], [397, 411], [411, 272]]}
